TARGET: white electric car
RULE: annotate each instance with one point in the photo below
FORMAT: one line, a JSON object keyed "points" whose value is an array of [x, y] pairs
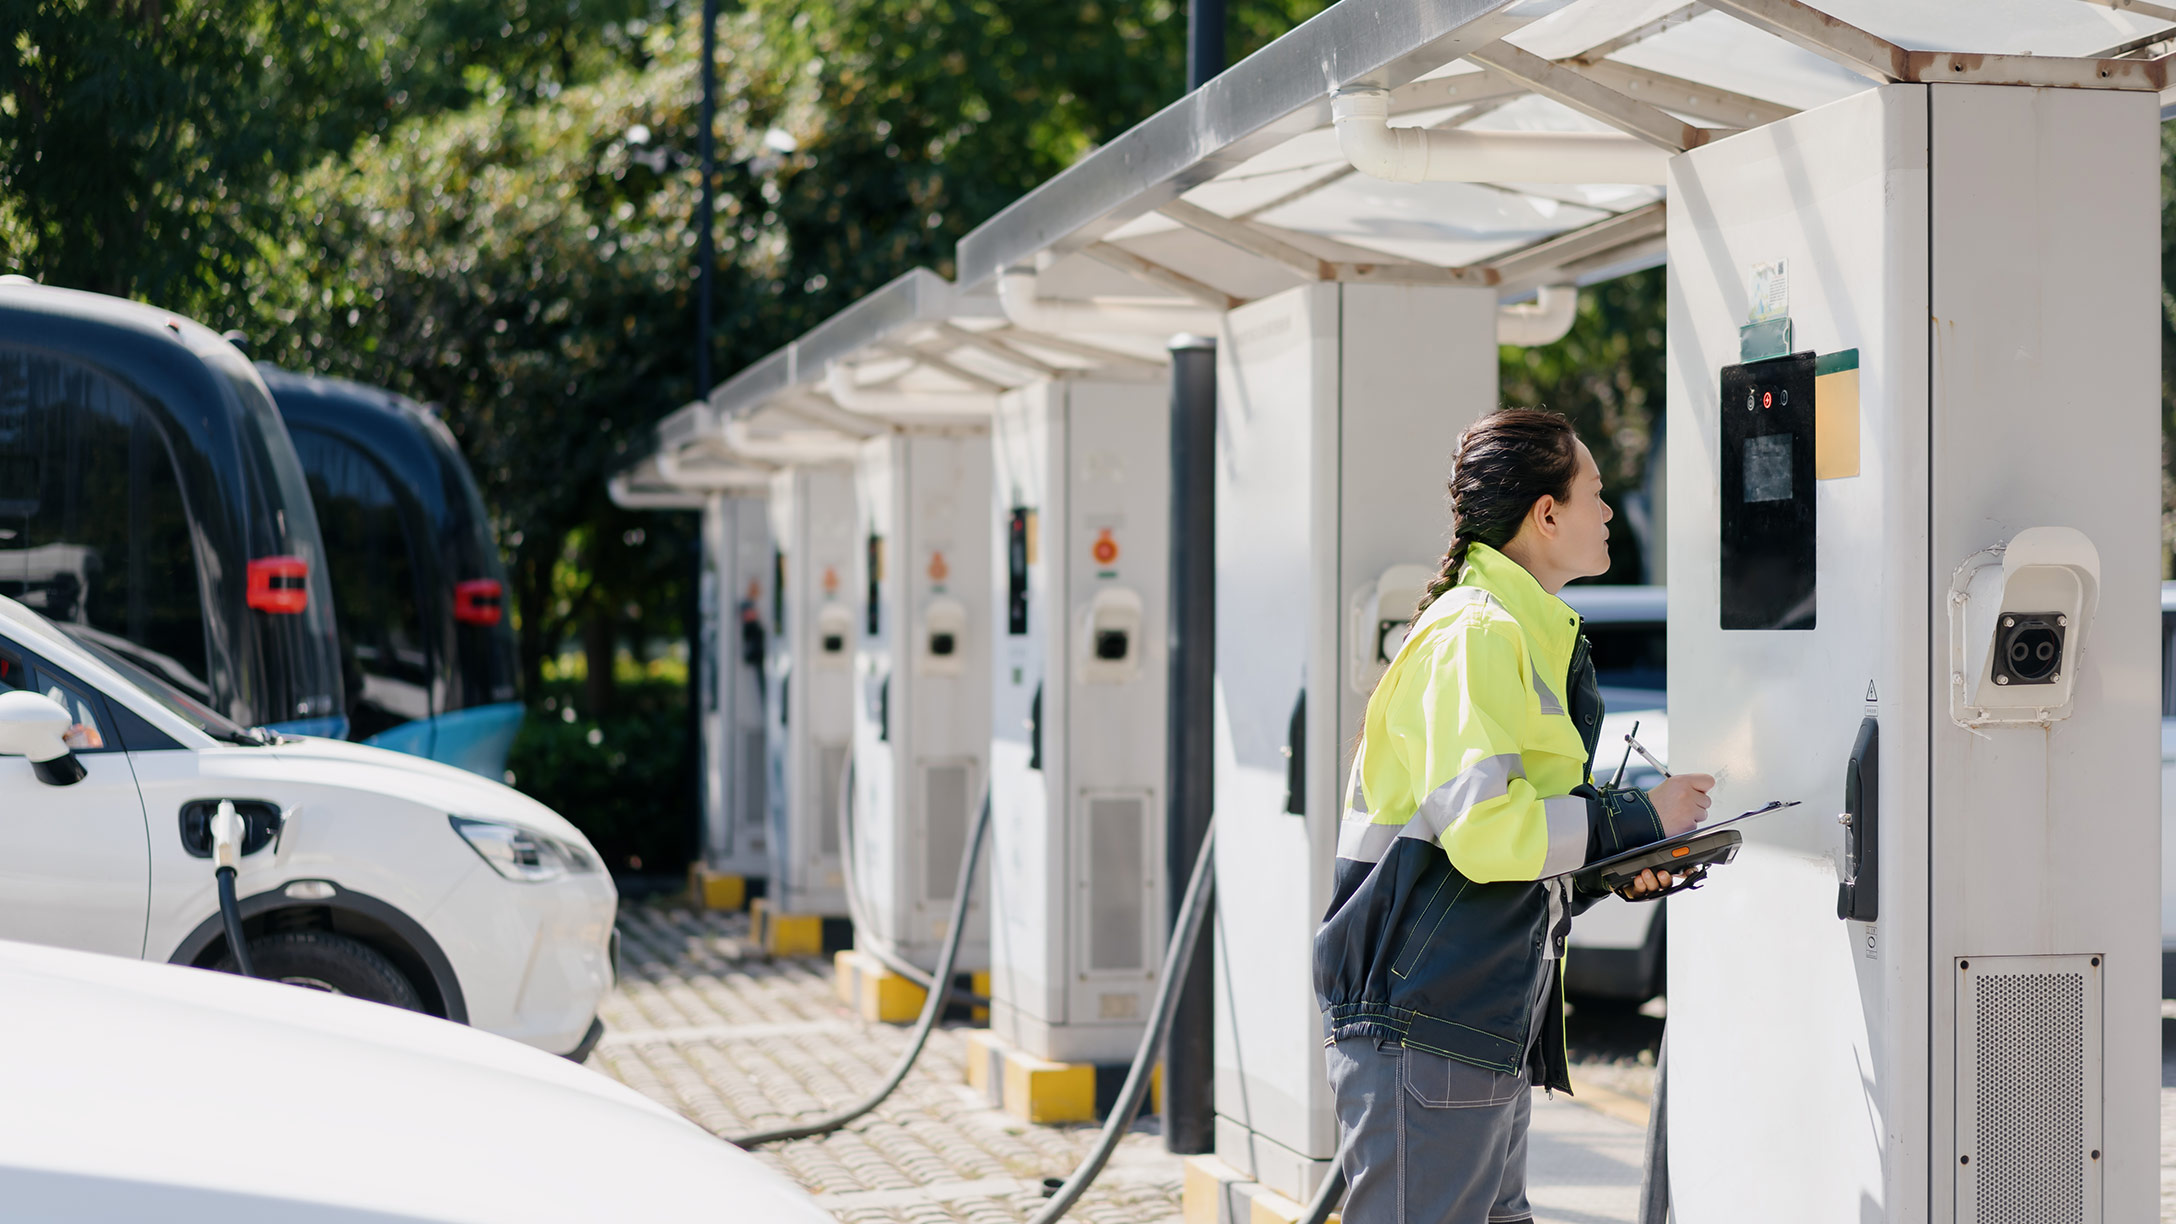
{"points": [[140, 1092], [364, 872]]}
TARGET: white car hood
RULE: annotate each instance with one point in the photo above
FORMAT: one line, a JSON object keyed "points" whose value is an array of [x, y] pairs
{"points": [[142, 1092], [457, 792]]}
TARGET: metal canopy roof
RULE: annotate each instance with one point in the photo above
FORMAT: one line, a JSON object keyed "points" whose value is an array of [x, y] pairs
{"points": [[1241, 189]]}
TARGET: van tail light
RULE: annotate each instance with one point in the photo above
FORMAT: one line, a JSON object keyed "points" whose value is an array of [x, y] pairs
{"points": [[479, 601], [279, 584]]}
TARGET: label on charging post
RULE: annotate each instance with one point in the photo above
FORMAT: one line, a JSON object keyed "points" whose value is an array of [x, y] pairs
{"points": [[1768, 517]]}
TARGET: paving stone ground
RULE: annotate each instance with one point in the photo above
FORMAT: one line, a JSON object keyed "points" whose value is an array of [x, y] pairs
{"points": [[705, 1025]]}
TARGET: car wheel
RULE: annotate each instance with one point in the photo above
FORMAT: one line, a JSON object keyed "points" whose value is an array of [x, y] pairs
{"points": [[335, 964]]}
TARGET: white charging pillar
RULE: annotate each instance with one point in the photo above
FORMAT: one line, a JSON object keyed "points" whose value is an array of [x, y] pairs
{"points": [[810, 697], [921, 714], [1339, 409], [736, 583], [1971, 275], [1080, 563]]}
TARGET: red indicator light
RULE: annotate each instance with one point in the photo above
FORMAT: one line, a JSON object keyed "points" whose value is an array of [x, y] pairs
{"points": [[1766, 399], [479, 601], [279, 585]]}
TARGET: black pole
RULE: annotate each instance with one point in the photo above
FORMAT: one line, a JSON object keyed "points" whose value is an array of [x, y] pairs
{"points": [[1189, 1114], [706, 259], [1204, 42], [705, 248]]}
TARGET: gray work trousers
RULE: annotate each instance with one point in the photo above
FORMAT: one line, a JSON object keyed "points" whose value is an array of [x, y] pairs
{"points": [[1429, 1139]]}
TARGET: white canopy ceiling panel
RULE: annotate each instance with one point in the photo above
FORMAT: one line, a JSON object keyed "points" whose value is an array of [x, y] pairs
{"points": [[1715, 50], [1448, 224], [2009, 27], [1579, 28]]}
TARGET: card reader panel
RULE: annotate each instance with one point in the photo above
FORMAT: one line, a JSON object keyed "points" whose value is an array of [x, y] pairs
{"points": [[1768, 522]]}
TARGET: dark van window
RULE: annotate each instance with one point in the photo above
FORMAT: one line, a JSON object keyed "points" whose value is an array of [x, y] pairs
{"points": [[374, 592], [93, 527], [1630, 654]]}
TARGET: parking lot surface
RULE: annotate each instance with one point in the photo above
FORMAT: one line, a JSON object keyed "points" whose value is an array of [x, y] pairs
{"points": [[734, 1041]]}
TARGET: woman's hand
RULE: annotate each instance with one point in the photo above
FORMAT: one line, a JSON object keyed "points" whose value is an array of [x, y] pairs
{"points": [[1650, 881], [1682, 801]]}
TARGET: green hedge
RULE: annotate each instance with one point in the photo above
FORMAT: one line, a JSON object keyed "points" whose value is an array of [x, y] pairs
{"points": [[623, 779]]}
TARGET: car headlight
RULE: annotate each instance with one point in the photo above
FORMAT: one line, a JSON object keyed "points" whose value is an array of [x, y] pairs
{"points": [[522, 854]]}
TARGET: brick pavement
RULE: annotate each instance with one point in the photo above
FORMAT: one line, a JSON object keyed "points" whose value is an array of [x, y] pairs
{"points": [[708, 1027]]}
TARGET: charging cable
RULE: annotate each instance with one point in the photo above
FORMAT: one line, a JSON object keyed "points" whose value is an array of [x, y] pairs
{"points": [[1186, 932], [865, 936], [932, 1007], [228, 830]]}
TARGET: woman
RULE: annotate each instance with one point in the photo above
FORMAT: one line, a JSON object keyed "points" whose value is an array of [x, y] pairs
{"points": [[1438, 966]]}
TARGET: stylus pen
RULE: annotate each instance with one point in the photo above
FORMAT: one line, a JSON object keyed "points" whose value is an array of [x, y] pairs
{"points": [[1647, 756], [1626, 759]]}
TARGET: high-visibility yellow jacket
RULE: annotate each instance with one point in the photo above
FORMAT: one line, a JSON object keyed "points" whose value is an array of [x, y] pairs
{"points": [[1471, 795]]}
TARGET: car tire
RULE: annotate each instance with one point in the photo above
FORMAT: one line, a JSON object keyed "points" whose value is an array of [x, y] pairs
{"points": [[335, 964]]}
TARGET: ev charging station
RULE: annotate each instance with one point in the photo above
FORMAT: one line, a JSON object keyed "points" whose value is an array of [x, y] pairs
{"points": [[736, 581], [922, 686], [1913, 581], [688, 474], [1080, 554], [809, 711]]}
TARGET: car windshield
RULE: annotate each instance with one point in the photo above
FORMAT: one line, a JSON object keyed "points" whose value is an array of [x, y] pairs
{"points": [[211, 722]]}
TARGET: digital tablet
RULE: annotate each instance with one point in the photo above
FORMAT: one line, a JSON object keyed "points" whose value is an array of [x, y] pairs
{"points": [[1689, 855]]}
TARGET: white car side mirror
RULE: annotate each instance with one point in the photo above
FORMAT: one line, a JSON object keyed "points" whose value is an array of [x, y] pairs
{"points": [[31, 725]]}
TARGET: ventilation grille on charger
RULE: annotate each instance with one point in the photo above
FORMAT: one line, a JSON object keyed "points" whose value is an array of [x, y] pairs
{"points": [[2028, 1089]]}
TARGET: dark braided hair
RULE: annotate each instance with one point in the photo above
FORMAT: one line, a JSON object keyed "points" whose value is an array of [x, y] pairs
{"points": [[1506, 461]]}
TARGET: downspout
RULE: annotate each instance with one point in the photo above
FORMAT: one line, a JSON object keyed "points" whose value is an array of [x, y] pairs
{"points": [[1541, 321], [627, 498], [791, 451], [1428, 155], [1016, 296], [908, 407], [731, 480]]}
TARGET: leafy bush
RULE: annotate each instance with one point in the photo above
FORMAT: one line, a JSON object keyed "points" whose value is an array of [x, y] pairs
{"points": [[624, 779]]}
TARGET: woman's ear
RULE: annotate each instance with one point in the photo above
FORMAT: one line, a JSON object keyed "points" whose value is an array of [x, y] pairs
{"points": [[1544, 516]]}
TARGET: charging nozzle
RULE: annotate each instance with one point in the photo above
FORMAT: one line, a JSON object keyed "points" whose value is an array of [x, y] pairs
{"points": [[227, 829]]}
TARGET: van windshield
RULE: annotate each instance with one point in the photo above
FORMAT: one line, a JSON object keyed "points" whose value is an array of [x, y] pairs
{"points": [[113, 652]]}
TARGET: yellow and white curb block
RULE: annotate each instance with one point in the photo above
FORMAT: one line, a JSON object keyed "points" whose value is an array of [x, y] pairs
{"points": [[717, 890], [881, 996], [784, 934], [1216, 1193], [1038, 1090]]}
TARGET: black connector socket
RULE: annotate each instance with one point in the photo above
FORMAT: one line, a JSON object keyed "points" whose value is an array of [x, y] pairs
{"points": [[2029, 648]]}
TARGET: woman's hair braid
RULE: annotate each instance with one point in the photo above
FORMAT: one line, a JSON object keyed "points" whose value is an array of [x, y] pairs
{"points": [[1506, 461]]}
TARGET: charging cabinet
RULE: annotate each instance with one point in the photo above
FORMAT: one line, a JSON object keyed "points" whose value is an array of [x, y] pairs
{"points": [[921, 683], [1339, 409], [1939, 623], [1080, 559], [735, 595], [809, 707]]}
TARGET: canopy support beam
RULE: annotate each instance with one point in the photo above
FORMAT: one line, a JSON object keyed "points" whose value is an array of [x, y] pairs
{"points": [[1591, 98]]}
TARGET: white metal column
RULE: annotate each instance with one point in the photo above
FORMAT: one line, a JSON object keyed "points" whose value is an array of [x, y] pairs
{"points": [[1987, 259], [1339, 409]]}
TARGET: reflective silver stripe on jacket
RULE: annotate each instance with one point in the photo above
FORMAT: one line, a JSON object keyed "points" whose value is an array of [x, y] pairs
{"points": [[1360, 839], [1476, 784], [1567, 834], [1549, 702]]}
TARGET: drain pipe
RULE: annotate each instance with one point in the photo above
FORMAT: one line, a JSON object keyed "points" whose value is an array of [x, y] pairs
{"points": [[1428, 155], [908, 407], [1541, 321], [1016, 296], [787, 451], [731, 480], [627, 497]]}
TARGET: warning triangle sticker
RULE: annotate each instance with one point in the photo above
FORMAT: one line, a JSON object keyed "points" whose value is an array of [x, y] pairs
{"points": [[1871, 696]]}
